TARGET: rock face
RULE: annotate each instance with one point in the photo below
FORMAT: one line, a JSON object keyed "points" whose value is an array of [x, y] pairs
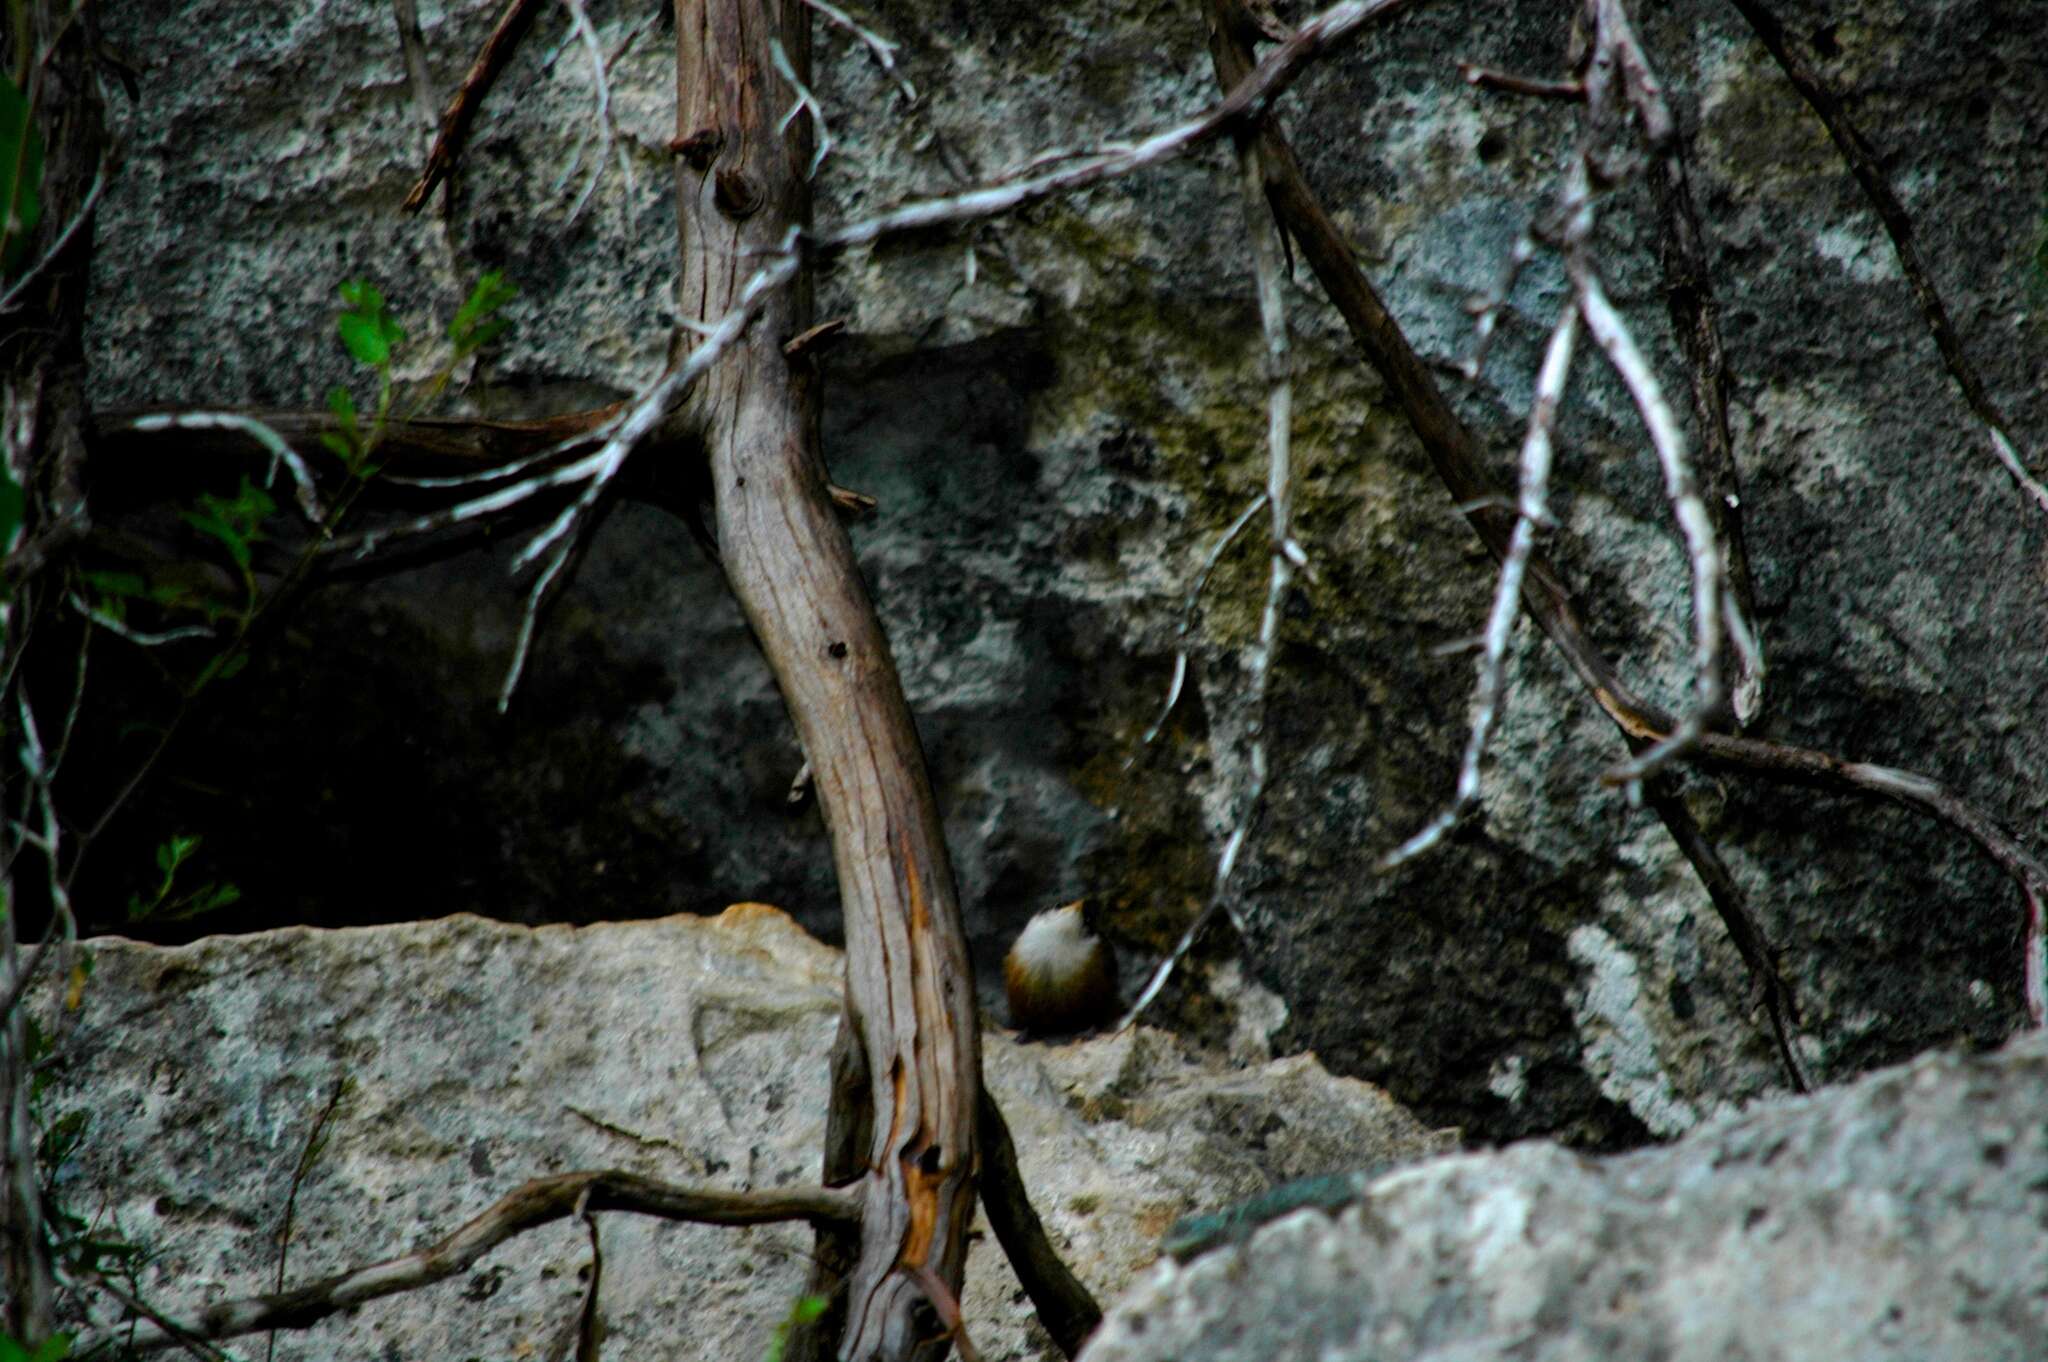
{"points": [[1898, 1218], [432, 1067], [1060, 413]]}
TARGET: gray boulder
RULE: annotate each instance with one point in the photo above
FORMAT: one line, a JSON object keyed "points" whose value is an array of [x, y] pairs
{"points": [[279, 1107], [1901, 1217]]}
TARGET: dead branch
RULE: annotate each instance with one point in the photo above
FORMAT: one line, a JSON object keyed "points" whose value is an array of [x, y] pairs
{"points": [[1817, 770], [1696, 319], [1506, 82], [42, 450], [1453, 453], [1065, 1307], [513, 22], [1867, 166], [1247, 98], [1284, 554], [787, 558], [609, 141], [1781, 1008], [1531, 513], [529, 1206], [1619, 82]]}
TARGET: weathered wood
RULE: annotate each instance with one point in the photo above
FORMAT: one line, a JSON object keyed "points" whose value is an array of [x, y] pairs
{"points": [[788, 560]]}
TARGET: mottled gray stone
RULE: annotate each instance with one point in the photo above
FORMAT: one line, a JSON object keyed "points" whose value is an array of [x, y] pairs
{"points": [[478, 1055], [1898, 1218], [1057, 442]]}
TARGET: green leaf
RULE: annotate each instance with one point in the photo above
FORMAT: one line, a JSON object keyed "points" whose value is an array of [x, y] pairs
{"points": [[231, 667], [13, 506], [367, 330], [473, 326], [117, 583], [342, 403], [236, 524], [21, 175], [55, 1348]]}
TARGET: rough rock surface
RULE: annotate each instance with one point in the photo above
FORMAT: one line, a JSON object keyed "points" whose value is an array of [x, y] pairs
{"points": [[1901, 1217], [1058, 436], [474, 1055]]}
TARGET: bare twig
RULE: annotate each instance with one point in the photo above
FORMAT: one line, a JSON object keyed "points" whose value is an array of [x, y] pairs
{"points": [[805, 102], [1486, 78], [1285, 554], [1262, 85], [609, 141], [1531, 513], [1866, 164], [1618, 80], [536, 1203], [880, 48], [1689, 295], [11, 299], [1820, 770], [1696, 319], [1613, 336], [316, 1141], [513, 22], [1486, 311], [1780, 1007], [412, 44], [1066, 1309], [577, 1341], [177, 1335], [274, 444], [1187, 623]]}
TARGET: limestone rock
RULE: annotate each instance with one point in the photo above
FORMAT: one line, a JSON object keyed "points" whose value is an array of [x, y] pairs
{"points": [[455, 1059], [1058, 439], [1892, 1220]]}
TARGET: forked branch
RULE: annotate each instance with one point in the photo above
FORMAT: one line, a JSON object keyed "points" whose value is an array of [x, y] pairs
{"points": [[528, 1207]]}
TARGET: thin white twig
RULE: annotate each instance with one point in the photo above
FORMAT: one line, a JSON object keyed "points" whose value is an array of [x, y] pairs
{"points": [[40, 770], [498, 473], [2008, 456], [1530, 514], [1187, 623], [529, 619], [1285, 555], [1486, 310], [1682, 491], [621, 435], [279, 449], [883, 51], [145, 638], [609, 142], [1252, 97], [805, 100]]}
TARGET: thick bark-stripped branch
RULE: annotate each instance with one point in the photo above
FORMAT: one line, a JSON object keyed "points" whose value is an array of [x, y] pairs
{"points": [[527, 1207], [742, 196]]}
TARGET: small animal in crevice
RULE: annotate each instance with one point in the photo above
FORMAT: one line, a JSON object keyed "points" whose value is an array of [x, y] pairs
{"points": [[1060, 976]]}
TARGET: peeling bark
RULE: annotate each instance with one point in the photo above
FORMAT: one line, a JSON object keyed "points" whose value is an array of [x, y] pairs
{"points": [[789, 562]]}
